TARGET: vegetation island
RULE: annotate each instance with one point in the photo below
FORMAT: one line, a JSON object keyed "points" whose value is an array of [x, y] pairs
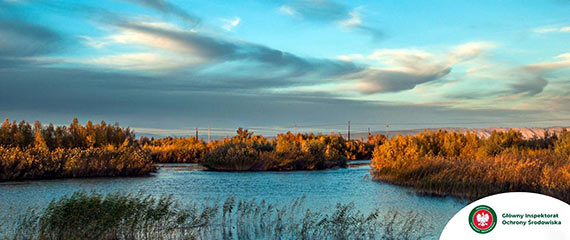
{"points": [[436, 163]]}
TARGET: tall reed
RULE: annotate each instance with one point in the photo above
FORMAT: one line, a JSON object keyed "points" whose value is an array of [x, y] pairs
{"points": [[447, 163], [127, 216], [42, 163]]}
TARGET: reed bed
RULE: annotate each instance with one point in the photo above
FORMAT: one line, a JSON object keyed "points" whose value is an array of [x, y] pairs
{"points": [[248, 152], [42, 163], [175, 150], [93, 150], [443, 163], [138, 216]]}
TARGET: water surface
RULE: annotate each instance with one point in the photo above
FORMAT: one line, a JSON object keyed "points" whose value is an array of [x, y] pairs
{"points": [[188, 182]]}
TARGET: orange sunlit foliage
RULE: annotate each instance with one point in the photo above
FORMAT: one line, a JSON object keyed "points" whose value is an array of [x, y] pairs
{"points": [[38, 152], [287, 151], [448, 163]]}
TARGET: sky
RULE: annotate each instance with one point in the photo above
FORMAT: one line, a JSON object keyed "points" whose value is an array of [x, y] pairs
{"points": [[165, 67]]}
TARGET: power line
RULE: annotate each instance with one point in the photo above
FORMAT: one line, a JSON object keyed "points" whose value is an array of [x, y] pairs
{"points": [[450, 123], [338, 127]]}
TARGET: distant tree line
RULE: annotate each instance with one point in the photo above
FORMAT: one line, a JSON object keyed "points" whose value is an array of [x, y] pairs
{"points": [[73, 136]]}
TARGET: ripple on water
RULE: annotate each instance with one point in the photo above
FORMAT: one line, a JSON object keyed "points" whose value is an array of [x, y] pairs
{"points": [[188, 182]]}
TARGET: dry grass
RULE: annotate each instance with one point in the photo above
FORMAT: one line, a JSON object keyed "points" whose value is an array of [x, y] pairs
{"points": [[443, 163], [42, 163]]}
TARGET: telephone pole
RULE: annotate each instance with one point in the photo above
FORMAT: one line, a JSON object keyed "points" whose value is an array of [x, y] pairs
{"points": [[387, 129], [209, 133], [348, 130], [196, 133], [295, 129]]}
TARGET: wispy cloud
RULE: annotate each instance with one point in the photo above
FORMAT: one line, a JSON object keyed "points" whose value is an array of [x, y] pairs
{"points": [[20, 38], [22, 42], [468, 51], [140, 61], [328, 11], [395, 70], [168, 9], [531, 79], [156, 66], [287, 10], [551, 29], [223, 62], [230, 24]]}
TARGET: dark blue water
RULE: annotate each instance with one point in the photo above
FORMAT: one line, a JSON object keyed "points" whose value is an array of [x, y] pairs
{"points": [[189, 183]]}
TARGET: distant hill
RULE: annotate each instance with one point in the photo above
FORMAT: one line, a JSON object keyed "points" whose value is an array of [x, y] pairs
{"points": [[481, 132]]}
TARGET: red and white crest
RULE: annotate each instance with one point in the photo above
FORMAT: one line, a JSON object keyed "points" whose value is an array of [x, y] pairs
{"points": [[482, 219]]}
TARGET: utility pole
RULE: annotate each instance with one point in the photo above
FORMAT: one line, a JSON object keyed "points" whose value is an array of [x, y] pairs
{"points": [[209, 129], [348, 130], [295, 129], [196, 133], [387, 129]]}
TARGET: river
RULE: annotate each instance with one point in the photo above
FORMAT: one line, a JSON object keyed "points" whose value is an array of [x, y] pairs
{"points": [[189, 182]]}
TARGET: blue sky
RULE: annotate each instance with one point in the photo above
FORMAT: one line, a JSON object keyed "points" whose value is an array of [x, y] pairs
{"points": [[164, 67]]}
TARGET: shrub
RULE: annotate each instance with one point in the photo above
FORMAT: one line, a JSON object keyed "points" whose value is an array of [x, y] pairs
{"points": [[562, 145], [176, 150], [246, 152]]}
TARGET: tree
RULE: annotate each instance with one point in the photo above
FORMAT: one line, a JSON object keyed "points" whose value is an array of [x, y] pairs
{"points": [[6, 137], [39, 141], [91, 138], [243, 134], [49, 136]]}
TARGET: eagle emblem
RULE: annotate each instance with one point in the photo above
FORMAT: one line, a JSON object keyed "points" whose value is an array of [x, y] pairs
{"points": [[483, 219]]}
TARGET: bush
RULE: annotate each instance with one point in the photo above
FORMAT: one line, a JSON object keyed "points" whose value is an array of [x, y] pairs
{"points": [[246, 152], [235, 157], [175, 150], [562, 145]]}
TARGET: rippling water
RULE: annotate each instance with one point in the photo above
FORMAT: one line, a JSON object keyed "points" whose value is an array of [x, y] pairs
{"points": [[188, 182]]}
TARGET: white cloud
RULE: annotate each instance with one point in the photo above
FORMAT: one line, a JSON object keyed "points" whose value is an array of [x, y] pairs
{"points": [[132, 36], [94, 42], [353, 21], [287, 10], [551, 29], [351, 57], [401, 59], [402, 69], [394, 70], [468, 51], [140, 61], [230, 24], [564, 62]]}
